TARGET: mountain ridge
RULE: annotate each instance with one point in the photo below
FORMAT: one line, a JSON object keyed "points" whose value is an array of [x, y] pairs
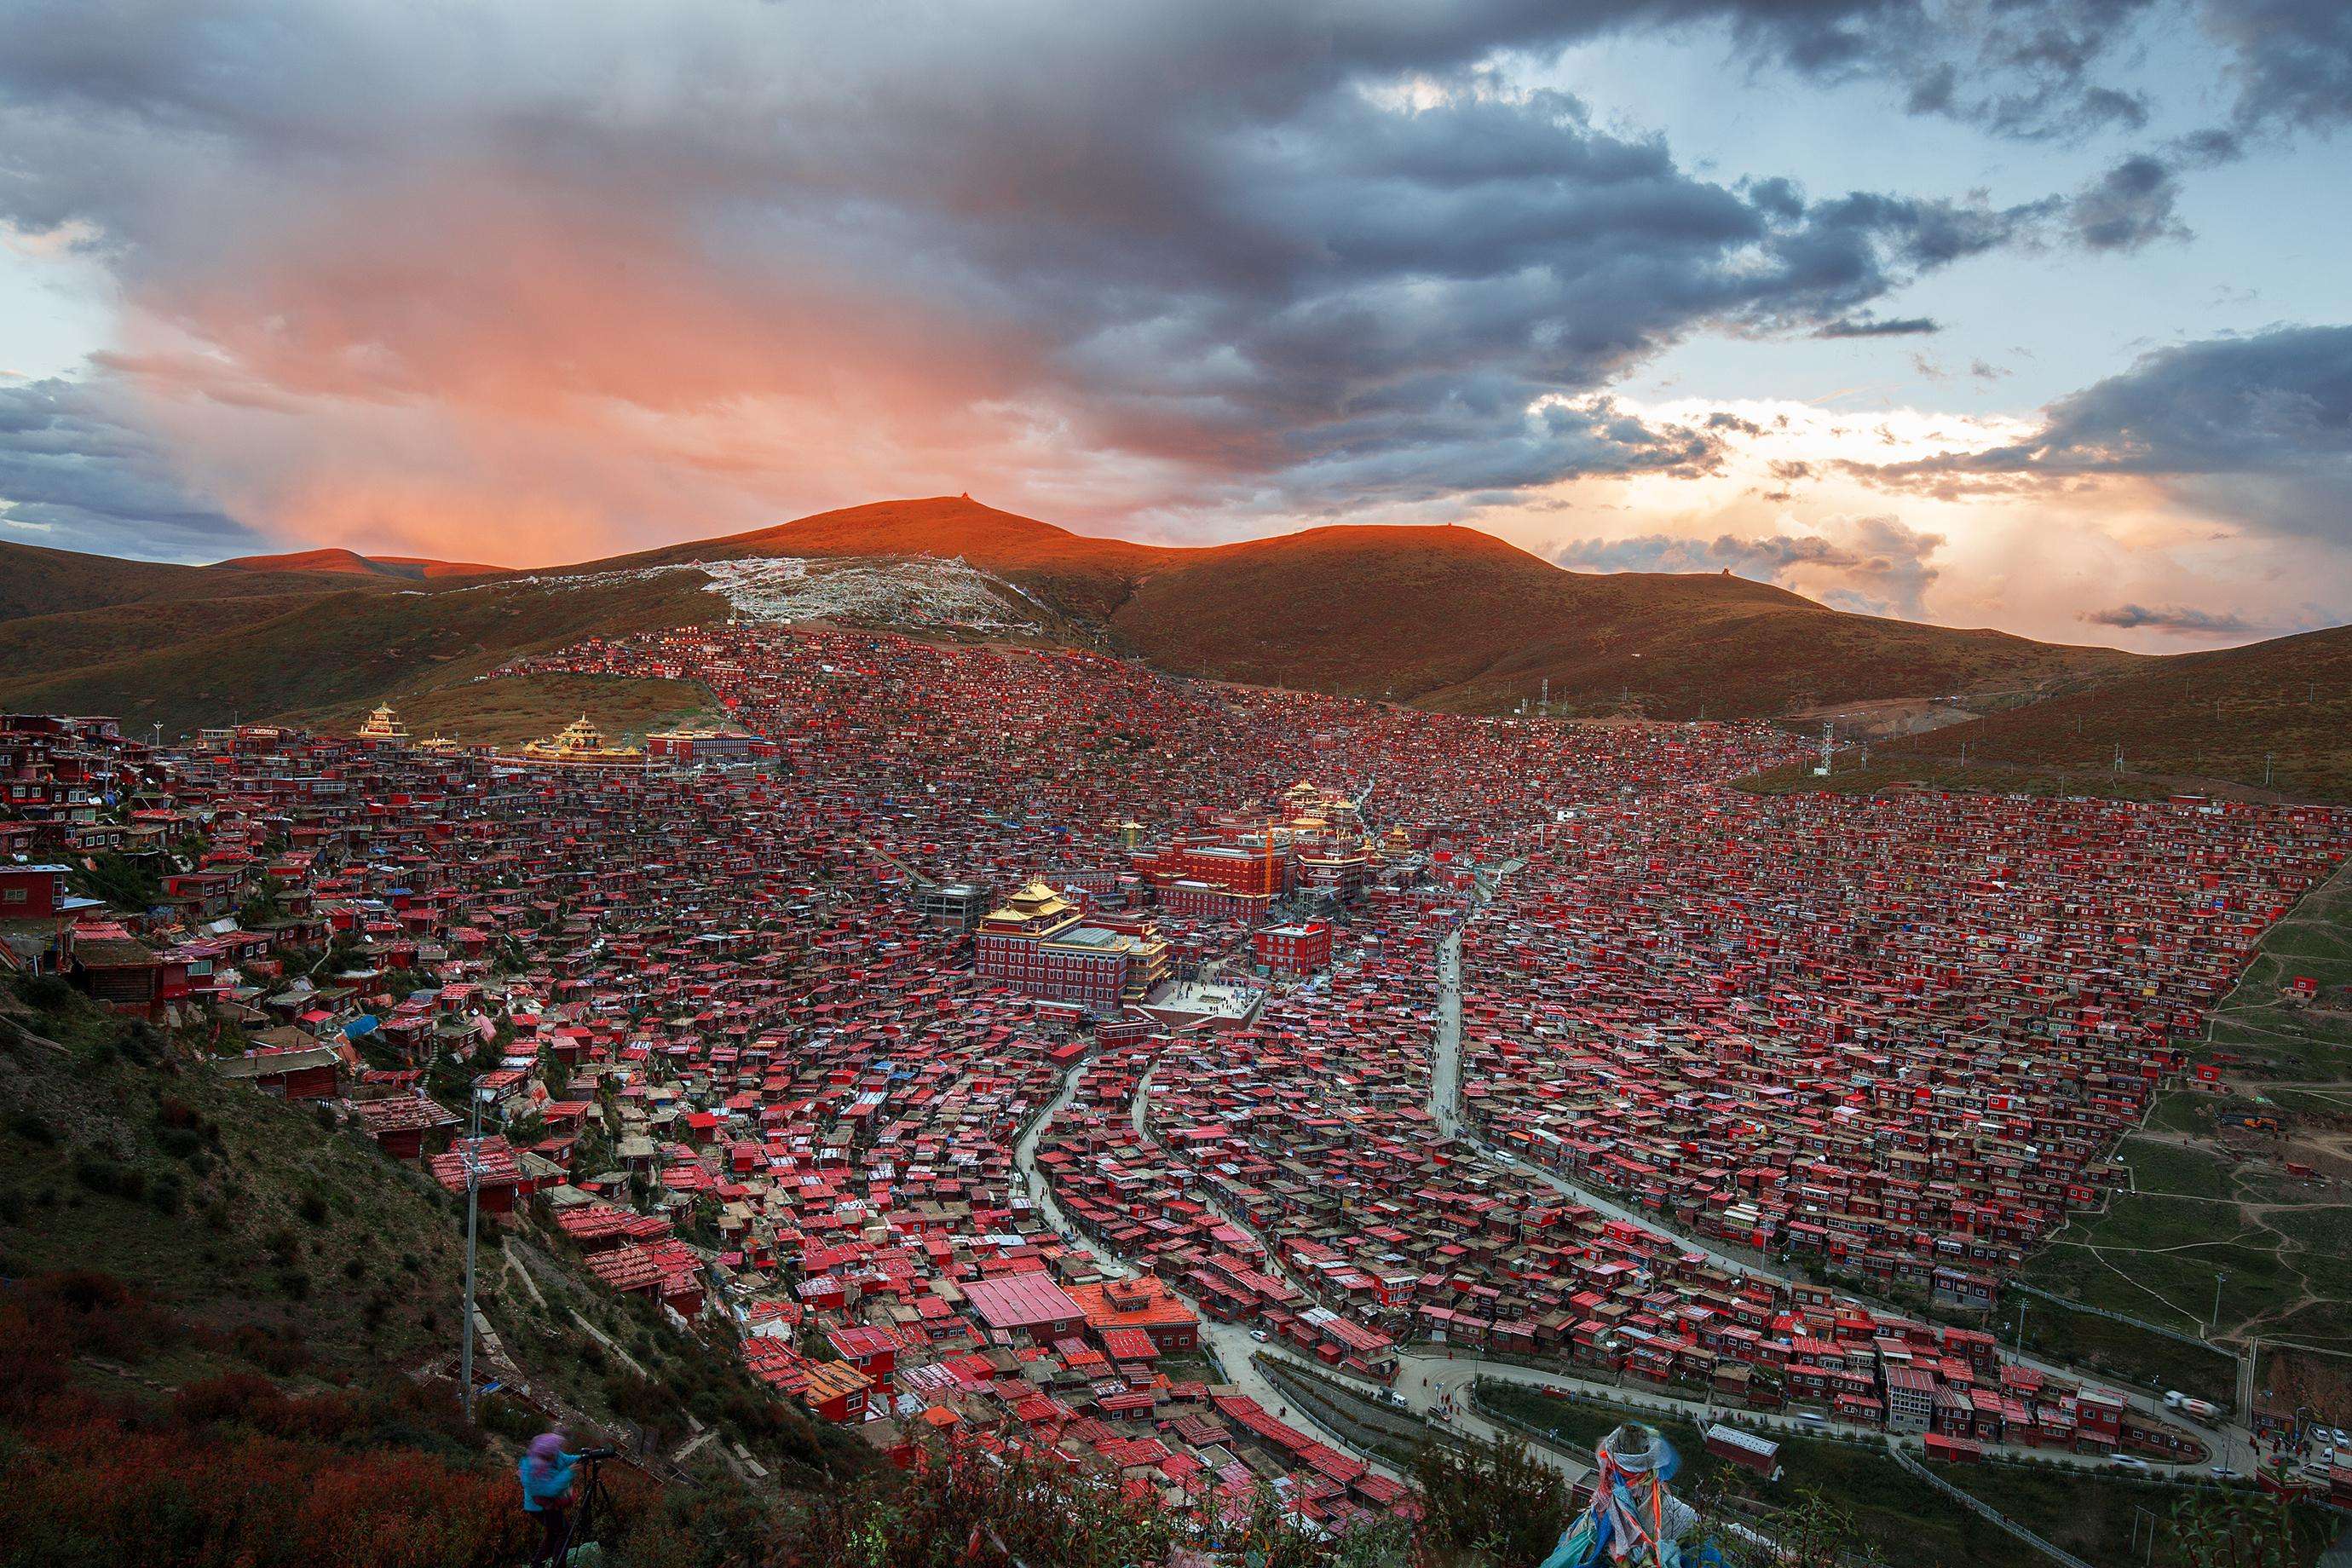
{"points": [[342, 561], [1440, 615]]}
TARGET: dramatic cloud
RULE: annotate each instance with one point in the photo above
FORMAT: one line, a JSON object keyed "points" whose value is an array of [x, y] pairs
{"points": [[2050, 68], [2294, 58], [2128, 206], [399, 277], [1873, 564], [2257, 430], [78, 471], [2168, 618]]}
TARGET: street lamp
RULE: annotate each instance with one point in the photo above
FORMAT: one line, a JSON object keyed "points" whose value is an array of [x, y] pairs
{"points": [[2216, 1327]]}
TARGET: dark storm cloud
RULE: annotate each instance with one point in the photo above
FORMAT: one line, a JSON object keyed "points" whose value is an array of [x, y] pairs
{"points": [[2178, 618], [1219, 255], [2130, 205], [77, 472], [2259, 428], [2293, 59], [1877, 565], [2040, 69], [1875, 327]]}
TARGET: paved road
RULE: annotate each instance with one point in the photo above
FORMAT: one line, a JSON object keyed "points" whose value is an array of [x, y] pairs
{"points": [[2233, 1446], [1230, 1343], [1446, 1055], [1041, 1192]]}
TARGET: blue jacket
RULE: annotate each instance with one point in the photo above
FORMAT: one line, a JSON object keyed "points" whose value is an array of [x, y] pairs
{"points": [[548, 1486]]}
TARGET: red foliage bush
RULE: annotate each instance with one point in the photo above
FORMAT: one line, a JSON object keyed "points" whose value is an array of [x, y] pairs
{"points": [[101, 1494], [233, 1472]]}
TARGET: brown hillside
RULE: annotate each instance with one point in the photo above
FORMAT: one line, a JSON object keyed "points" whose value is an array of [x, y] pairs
{"points": [[349, 563], [1443, 617], [2190, 716], [325, 653], [1451, 617], [38, 582], [1081, 575]]}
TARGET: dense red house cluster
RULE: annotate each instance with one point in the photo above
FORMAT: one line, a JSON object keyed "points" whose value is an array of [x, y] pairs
{"points": [[743, 1040]]}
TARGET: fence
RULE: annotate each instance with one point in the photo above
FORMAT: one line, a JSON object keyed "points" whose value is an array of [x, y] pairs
{"points": [[2125, 1318], [1364, 1425], [1985, 1510]]}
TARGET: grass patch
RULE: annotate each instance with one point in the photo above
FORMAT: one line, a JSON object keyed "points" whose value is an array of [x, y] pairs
{"points": [[2094, 1515], [508, 709]]}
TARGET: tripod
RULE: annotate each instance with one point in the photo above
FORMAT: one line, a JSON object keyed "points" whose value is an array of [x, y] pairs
{"points": [[579, 1529]]}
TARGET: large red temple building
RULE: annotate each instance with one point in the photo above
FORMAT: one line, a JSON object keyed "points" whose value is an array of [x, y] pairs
{"points": [[1041, 944]]}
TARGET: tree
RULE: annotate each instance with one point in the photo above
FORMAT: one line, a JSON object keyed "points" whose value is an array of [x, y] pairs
{"points": [[1494, 1498], [2236, 1531]]}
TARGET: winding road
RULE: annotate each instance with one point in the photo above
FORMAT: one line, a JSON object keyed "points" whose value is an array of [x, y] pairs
{"points": [[2233, 1447], [1428, 1379]]}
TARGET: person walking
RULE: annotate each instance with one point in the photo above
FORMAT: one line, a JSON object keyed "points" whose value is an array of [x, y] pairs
{"points": [[545, 1471]]}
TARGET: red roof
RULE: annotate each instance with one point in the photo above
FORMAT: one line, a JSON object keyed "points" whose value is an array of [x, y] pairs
{"points": [[1020, 1301]]}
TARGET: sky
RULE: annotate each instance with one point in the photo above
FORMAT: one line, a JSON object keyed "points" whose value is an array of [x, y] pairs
{"points": [[1985, 313]]}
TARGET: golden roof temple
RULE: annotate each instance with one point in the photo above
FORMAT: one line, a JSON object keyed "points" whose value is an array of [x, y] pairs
{"points": [[581, 746], [383, 726]]}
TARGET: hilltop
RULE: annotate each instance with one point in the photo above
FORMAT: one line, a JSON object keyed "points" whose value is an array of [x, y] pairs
{"points": [[35, 581], [349, 563], [1442, 617], [1452, 619]]}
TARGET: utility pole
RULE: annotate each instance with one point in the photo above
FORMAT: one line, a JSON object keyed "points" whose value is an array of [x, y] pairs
{"points": [[473, 1214], [2267, 758], [2024, 1306], [2216, 1329]]}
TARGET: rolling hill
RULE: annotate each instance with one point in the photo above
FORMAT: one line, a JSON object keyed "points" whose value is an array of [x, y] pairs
{"points": [[1444, 617], [348, 563], [339, 650], [1452, 619], [35, 581], [2229, 714]]}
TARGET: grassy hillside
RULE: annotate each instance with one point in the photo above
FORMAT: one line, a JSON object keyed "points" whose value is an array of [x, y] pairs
{"points": [[282, 1301], [1444, 617], [38, 582], [1447, 617], [349, 563], [344, 650], [2197, 715], [34, 647], [512, 707], [1452, 619]]}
